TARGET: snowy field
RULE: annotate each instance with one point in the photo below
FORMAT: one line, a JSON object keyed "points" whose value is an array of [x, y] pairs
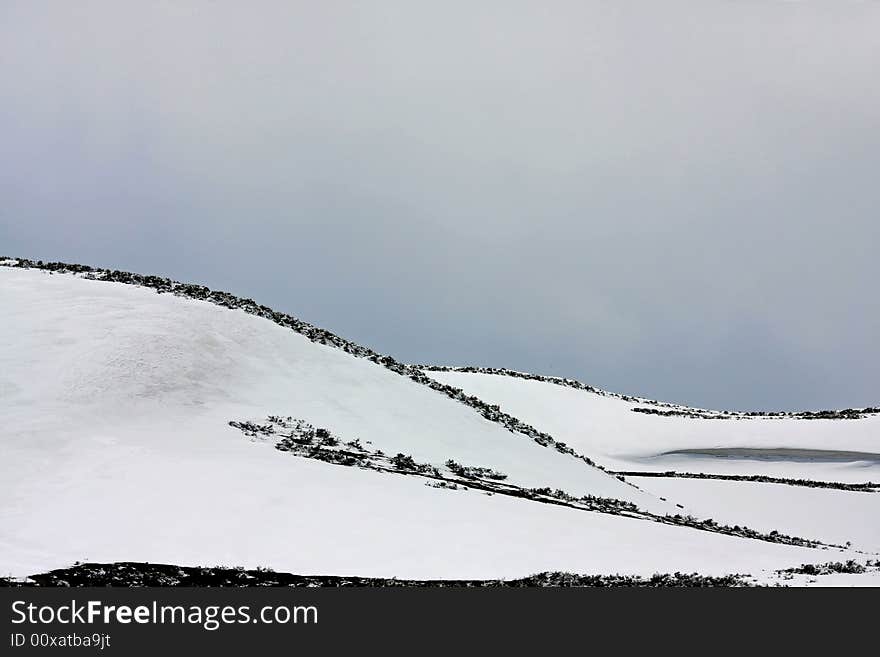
{"points": [[836, 516], [114, 411], [606, 428]]}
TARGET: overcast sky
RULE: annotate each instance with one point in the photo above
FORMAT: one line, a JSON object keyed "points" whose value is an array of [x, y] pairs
{"points": [[672, 199]]}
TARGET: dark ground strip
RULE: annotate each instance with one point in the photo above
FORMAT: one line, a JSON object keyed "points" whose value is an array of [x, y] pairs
{"points": [[843, 414], [867, 487], [129, 574]]}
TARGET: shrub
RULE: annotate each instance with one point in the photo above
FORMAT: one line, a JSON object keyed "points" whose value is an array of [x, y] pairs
{"points": [[404, 462]]}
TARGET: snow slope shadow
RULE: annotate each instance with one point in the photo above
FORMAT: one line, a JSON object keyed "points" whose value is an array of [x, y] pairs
{"points": [[780, 454]]}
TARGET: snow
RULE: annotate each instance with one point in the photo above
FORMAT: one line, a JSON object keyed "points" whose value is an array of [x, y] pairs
{"points": [[867, 579], [114, 403], [82, 358], [605, 428], [308, 517], [614, 436], [833, 516]]}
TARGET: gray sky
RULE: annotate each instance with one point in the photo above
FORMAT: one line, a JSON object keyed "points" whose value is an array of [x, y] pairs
{"points": [[673, 199]]}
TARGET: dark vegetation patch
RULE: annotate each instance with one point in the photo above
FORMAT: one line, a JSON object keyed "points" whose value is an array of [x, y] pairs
{"points": [[135, 574], [850, 567], [318, 335], [302, 439], [843, 414], [474, 472], [741, 531], [445, 484], [867, 487], [666, 409], [662, 412]]}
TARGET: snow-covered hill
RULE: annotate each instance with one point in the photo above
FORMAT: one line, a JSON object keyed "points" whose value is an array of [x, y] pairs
{"points": [[115, 412], [790, 459], [624, 433]]}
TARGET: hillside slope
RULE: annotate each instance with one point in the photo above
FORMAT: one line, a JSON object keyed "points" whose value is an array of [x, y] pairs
{"points": [[625, 433], [775, 452], [115, 411]]}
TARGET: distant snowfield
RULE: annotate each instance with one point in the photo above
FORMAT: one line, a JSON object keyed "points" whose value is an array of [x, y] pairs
{"points": [[613, 435], [114, 410], [616, 437]]}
